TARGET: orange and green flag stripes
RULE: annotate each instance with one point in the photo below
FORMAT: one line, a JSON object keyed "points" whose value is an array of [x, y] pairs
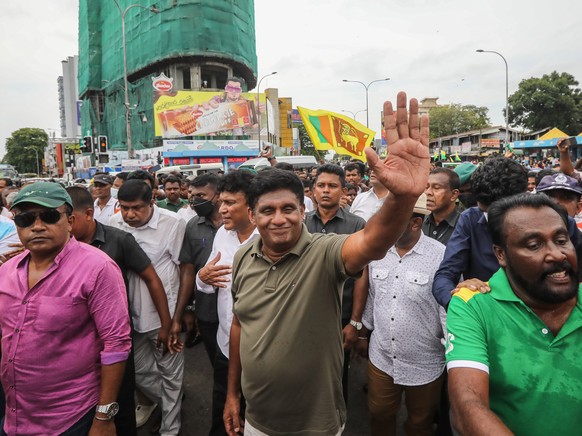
{"points": [[332, 131]]}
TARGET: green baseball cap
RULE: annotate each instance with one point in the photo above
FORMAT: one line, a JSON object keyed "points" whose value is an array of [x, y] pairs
{"points": [[464, 171], [47, 194]]}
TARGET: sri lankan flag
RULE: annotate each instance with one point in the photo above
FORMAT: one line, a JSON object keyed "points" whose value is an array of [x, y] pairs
{"points": [[331, 131]]}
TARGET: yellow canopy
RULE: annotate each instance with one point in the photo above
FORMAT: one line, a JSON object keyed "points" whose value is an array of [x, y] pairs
{"points": [[553, 134]]}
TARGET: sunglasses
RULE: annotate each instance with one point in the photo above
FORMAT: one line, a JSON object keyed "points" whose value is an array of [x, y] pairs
{"points": [[229, 88], [49, 216]]}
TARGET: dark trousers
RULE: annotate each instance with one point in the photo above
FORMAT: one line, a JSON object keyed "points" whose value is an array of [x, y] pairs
{"points": [[443, 418], [125, 418], [219, 395], [208, 332], [345, 373], [80, 428]]}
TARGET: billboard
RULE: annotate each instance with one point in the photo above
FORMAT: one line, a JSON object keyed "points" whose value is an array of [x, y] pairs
{"points": [[489, 142], [189, 145], [193, 113]]}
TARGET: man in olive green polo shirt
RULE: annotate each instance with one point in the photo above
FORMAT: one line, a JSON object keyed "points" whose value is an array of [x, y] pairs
{"points": [[286, 337], [514, 354]]}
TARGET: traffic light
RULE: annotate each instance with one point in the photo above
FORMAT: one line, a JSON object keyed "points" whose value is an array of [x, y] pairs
{"points": [[103, 144], [87, 146]]}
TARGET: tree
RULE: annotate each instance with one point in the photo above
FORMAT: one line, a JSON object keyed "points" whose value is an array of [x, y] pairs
{"points": [[550, 101], [306, 147], [20, 149], [457, 118]]}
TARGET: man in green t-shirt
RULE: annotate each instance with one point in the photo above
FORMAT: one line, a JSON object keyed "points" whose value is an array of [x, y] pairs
{"points": [[173, 202], [513, 354]]}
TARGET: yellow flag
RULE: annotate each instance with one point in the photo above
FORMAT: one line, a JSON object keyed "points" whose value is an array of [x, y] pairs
{"points": [[332, 131]]}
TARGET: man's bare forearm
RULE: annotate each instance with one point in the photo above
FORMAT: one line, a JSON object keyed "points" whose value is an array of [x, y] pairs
{"points": [[472, 417], [186, 289], [156, 290], [360, 296], [234, 365], [566, 163], [385, 227], [111, 376], [469, 395], [381, 232]]}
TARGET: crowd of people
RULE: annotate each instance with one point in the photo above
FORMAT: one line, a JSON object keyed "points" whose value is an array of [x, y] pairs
{"points": [[460, 288]]}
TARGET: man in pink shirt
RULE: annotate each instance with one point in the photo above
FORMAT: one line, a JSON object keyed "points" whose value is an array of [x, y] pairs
{"points": [[64, 324]]}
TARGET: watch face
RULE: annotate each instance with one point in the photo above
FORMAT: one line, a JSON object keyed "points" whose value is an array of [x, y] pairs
{"points": [[113, 409]]}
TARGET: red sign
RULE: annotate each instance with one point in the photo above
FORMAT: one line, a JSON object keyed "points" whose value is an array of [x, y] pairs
{"points": [[210, 160], [237, 159], [166, 161], [162, 83], [181, 161], [489, 142]]}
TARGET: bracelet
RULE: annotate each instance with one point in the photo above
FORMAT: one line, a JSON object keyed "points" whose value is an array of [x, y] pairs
{"points": [[103, 419], [363, 338], [189, 308]]}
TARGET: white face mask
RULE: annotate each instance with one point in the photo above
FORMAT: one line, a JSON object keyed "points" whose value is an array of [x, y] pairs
{"points": [[114, 192]]}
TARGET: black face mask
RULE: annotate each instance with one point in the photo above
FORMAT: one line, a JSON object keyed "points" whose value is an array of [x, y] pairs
{"points": [[468, 200], [201, 206]]}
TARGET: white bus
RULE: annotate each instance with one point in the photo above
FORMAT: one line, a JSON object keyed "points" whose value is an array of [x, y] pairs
{"points": [[191, 171], [297, 161]]}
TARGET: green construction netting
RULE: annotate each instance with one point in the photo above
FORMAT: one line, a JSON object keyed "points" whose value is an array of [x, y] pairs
{"points": [[184, 29]]}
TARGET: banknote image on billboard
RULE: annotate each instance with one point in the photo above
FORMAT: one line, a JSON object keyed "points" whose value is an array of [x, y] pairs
{"points": [[191, 113]]}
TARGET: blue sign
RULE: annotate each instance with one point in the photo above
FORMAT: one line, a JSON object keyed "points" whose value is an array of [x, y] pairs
{"points": [[544, 143]]}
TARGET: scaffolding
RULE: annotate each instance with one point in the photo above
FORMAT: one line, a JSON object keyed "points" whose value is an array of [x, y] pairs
{"points": [[184, 32]]}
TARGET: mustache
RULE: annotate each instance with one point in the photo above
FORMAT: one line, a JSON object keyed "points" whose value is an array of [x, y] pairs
{"points": [[557, 267]]}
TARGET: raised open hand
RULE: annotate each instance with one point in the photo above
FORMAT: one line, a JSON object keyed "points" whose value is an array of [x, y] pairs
{"points": [[406, 167]]}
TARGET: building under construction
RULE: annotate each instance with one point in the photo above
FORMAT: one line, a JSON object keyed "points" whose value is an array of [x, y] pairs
{"points": [[197, 43]]}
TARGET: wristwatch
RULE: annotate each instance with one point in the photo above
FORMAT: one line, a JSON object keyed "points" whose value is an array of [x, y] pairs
{"points": [[110, 410], [356, 324]]}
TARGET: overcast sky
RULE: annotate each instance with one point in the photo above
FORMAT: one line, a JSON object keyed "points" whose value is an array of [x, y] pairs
{"points": [[426, 48]]}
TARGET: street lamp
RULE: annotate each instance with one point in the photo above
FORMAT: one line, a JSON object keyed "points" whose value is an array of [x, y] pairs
{"points": [[258, 106], [37, 163], [125, 81], [354, 114], [367, 87], [506, 92]]}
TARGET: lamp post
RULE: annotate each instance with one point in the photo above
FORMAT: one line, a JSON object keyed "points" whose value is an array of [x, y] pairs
{"points": [[354, 114], [258, 107], [125, 81], [367, 87], [506, 92], [37, 163]]}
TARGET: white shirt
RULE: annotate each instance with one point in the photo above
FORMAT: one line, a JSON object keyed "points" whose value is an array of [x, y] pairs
{"points": [[407, 322], [308, 203], [8, 235], [366, 204], [6, 213], [103, 215], [161, 239], [186, 213], [225, 241]]}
